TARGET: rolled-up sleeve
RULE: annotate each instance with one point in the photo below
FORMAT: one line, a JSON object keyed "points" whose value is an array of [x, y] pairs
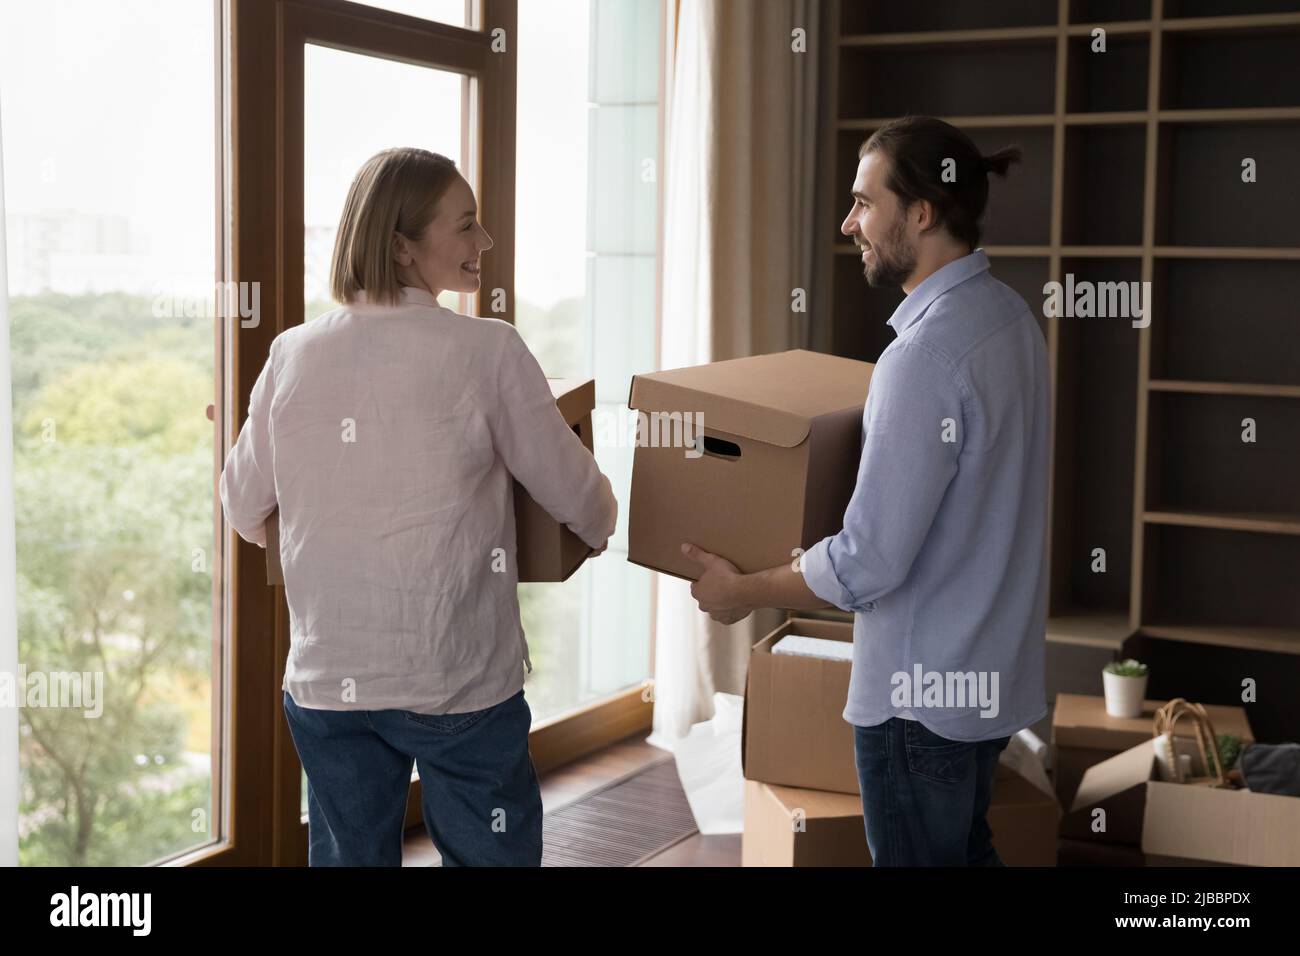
{"points": [[248, 480], [543, 453], [911, 446]]}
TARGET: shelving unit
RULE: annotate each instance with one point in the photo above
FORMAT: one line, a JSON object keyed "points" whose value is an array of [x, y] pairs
{"points": [[1132, 173]]}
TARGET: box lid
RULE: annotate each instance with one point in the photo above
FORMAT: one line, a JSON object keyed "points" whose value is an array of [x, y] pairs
{"points": [[1080, 720], [574, 397], [769, 398]]}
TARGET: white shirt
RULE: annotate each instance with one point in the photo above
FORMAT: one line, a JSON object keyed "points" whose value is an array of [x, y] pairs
{"points": [[388, 436]]}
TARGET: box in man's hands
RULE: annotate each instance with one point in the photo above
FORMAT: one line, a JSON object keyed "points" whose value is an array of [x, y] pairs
{"points": [[751, 458]]}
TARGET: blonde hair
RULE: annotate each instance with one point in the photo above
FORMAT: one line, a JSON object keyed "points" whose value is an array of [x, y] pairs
{"points": [[395, 191]]}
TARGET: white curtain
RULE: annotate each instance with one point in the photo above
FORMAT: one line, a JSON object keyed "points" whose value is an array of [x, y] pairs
{"points": [[8, 566], [738, 213]]}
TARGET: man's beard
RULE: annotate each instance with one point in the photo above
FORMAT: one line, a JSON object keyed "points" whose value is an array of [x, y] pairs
{"points": [[891, 264]]}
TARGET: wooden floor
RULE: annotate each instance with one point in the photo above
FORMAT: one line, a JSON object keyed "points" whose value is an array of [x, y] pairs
{"points": [[568, 783]]}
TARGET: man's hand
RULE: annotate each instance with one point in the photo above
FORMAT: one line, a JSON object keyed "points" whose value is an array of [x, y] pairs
{"points": [[718, 589]]}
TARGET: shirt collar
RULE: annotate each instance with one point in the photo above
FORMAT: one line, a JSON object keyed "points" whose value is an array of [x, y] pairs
{"points": [[914, 306], [410, 296]]}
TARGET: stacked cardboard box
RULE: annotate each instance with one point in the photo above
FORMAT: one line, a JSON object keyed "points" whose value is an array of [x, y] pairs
{"points": [[802, 806]]}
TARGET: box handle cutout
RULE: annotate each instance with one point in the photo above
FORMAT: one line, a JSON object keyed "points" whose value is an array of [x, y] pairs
{"points": [[719, 447]]}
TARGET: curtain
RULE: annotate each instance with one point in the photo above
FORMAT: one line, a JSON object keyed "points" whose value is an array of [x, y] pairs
{"points": [[8, 568], [740, 138]]}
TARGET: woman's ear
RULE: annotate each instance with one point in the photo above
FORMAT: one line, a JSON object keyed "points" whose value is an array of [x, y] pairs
{"points": [[401, 250]]}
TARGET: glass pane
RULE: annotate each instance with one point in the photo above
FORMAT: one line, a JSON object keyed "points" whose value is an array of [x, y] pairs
{"points": [[421, 107], [111, 216], [454, 12], [586, 207]]}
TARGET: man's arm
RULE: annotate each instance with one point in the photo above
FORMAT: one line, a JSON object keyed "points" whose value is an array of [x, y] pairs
{"points": [[729, 596]]}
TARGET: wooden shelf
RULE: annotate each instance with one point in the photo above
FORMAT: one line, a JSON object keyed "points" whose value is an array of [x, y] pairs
{"points": [[1253, 114], [1226, 252], [1280, 640], [1266, 523], [1224, 388], [1242, 22], [939, 38], [1141, 151], [1089, 629]]}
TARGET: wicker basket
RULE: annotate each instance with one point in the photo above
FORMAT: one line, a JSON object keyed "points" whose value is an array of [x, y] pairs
{"points": [[1166, 721]]}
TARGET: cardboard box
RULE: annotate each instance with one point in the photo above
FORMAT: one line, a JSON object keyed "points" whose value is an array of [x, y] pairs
{"points": [[793, 732], [546, 549], [1191, 822], [1084, 735], [831, 831], [750, 458]]}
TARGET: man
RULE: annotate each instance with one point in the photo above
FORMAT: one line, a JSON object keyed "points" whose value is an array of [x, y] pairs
{"points": [[942, 555]]}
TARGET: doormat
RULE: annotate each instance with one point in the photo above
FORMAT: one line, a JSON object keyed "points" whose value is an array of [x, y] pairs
{"points": [[621, 824]]}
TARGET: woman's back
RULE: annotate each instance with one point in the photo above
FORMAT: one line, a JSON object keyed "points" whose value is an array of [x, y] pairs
{"points": [[393, 434]]}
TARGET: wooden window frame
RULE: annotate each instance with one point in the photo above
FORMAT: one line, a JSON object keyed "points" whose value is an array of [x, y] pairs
{"points": [[263, 167]]}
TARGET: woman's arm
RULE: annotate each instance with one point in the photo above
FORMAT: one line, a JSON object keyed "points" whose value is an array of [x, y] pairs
{"points": [[247, 481], [542, 452]]}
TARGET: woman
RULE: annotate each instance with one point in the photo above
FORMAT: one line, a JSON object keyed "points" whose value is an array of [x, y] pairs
{"points": [[387, 432]]}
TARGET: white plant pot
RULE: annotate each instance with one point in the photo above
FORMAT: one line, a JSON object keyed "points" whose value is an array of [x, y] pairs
{"points": [[1124, 695]]}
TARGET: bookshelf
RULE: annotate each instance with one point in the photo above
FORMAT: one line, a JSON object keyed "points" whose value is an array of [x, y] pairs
{"points": [[1132, 172]]}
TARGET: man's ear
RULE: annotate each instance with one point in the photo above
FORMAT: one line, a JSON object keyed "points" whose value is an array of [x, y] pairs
{"points": [[926, 218]]}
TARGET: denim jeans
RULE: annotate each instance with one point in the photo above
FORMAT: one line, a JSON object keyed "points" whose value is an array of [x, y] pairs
{"points": [[924, 797], [481, 801]]}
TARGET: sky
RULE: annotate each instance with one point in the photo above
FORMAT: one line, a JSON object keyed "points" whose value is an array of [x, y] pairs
{"points": [[107, 108]]}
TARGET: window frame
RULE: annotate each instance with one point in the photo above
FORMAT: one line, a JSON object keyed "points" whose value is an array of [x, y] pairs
{"points": [[262, 170]]}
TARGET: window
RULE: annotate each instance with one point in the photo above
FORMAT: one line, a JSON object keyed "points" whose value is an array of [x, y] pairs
{"points": [[111, 215], [586, 224]]}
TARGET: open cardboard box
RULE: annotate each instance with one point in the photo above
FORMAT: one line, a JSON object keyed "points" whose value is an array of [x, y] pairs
{"points": [[750, 458], [793, 731], [1188, 821], [1084, 735], [546, 550]]}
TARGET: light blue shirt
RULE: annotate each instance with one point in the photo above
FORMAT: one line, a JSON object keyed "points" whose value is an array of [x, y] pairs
{"points": [[943, 552]]}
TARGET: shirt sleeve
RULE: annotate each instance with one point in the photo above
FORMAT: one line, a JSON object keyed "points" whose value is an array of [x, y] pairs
{"points": [[247, 480], [543, 453], [913, 440]]}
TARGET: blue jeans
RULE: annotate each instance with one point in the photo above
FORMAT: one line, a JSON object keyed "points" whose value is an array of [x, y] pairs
{"points": [[924, 797], [481, 801]]}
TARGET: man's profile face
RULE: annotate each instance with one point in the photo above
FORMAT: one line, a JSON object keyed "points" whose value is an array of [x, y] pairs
{"points": [[878, 227]]}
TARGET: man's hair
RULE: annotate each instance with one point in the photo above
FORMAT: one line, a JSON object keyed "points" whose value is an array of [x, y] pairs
{"points": [[917, 147], [395, 191]]}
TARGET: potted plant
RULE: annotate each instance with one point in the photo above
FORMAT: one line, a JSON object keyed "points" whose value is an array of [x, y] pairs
{"points": [[1125, 684]]}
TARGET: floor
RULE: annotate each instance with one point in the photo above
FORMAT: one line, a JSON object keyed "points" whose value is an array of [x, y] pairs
{"points": [[574, 780]]}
